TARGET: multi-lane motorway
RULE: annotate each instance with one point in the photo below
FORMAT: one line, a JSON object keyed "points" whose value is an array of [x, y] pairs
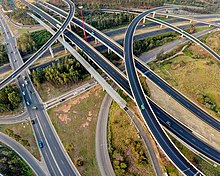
{"points": [[114, 74], [122, 82], [116, 48], [53, 152]]}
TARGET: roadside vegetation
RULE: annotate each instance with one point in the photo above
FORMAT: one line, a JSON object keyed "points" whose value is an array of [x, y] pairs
{"points": [[22, 133], [10, 99], [66, 71], [6, 5], [30, 42], [103, 21], [3, 55], [21, 16], [149, 43], [120, 3], [75, 122], [195, 73], [12, 164], [207, 168], [127, 151]]}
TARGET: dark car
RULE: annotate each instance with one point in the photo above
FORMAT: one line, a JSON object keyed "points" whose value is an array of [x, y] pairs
{"points": [[62, 99], [40, 144], [33, 122]]}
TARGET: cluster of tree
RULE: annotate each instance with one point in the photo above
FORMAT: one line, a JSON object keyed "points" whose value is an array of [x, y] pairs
{"points": [[40, 38], [191, 29], [145, 86], [9, 98], [6, 5], [25, 43], [3, 55], [65, 71], [58, 3], [11, 163], [17, 137], [144, 45], [20, 16], [206, 10], [119, 163], [29, 42], [208, 102], [106, 21], [140, 156], [79, 162], [121, 3]]}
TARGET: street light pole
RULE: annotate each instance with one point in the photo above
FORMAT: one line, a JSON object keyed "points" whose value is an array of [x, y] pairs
{"points": [[84, 30]]}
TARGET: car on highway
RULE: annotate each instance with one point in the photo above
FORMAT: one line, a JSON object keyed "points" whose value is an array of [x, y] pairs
{"points": [[61, 100], [27, 102], [13, 75], [34, 107], [26, 82], [15, 47], [22, 85], [40, 144], [33, 122], [15, 60], [23, 92], [93, 32], [168, 123], [142, 107], [24, 77]]}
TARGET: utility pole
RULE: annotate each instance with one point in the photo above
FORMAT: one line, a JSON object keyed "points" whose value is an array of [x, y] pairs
{"points": [[84, 30]]}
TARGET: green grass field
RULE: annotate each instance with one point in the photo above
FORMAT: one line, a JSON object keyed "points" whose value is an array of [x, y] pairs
{"points": [[24, 130]]}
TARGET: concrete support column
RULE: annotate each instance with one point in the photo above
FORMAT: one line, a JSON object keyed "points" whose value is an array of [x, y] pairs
{"points": [[161, 26], [70, 26], [109, 51], [167, 16], [190, 21], [96, 41], [91, 76], [182, 35], [153, 15], [144, 19], [51, 52], [210, 25]]}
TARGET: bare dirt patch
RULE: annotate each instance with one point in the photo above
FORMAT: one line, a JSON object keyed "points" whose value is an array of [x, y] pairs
{"points": [[75, 122]]}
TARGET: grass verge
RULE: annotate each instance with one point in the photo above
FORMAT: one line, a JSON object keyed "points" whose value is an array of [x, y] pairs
{"points": [[127, 151], [207, 168], [12, 163], [75, 122], [22, 132]]}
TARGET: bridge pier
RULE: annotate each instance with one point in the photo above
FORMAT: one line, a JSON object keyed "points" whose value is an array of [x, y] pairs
{"points": [[70, 27], [144, 19], [153, 15], [182, 35], [109, 51], [96, 41], [190, 21], [167, 16], [51, 52], [210, 25], [161, 26]]}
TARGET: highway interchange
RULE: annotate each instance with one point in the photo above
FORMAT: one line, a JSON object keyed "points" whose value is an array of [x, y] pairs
{"points": [[135, 91], [126, 87], [148, 72]]}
